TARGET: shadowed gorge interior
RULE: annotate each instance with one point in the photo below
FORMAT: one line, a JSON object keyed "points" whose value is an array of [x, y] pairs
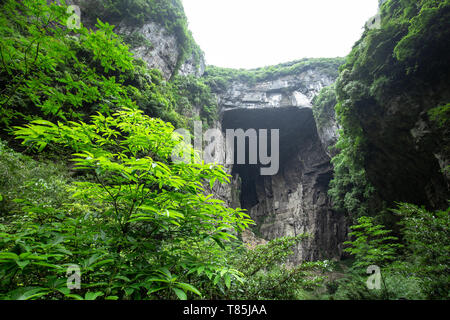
{"points": [[294, 125]]}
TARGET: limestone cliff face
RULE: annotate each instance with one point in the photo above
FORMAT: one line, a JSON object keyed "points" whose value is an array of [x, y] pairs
{"points": [[386, 91], [160, 50], [295, 200], [152, 43], [292, 90]]}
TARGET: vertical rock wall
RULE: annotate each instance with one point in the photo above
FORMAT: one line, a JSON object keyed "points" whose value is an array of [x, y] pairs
{"points": [[157, 47], [295, 200]]}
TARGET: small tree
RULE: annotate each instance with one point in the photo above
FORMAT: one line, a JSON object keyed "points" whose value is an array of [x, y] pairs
{"points": [[371, 246], [152, 214]]}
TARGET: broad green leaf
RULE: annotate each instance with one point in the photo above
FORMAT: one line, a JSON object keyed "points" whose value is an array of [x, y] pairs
{"points": [[8, 256], [93, 295], [153, 290], [74, 296], [180, 293], [228, 280], [30, 293], [216, 279], [22, 263], [188, 287]]}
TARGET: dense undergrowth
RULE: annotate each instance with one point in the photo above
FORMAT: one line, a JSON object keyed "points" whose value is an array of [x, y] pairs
{"points": [[168, 14]]}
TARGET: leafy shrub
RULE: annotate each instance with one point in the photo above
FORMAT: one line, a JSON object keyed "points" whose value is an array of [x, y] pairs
{"points": [[371, 244], [167, 13], [418, 271], [138, 227], [268, 276], [262, 272], [49, 71], [426, 236], [40, 183], [74, 73], [396, 286]]}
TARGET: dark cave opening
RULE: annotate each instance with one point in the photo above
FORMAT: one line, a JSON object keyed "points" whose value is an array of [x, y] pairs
{"points": [[295, 125]]}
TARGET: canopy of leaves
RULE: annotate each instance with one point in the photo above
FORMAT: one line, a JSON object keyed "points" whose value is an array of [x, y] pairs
{"points": [[139, 224]]}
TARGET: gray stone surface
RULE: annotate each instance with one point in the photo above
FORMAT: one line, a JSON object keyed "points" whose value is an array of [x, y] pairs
{"points": [[164, 51], [295, 200], [292, 90]]}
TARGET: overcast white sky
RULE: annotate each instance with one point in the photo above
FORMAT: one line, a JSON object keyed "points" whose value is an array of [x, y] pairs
{"points": [[256, 33]]}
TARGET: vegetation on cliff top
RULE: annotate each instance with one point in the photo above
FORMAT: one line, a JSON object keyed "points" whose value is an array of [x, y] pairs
{"points": [[167, 13], [219, 78], [139, 224]]}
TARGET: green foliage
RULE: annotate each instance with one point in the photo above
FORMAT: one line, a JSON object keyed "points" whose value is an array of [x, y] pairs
{"points": [[167, 13], [138, 224], [40, 184], [349, 189], [136, 39], [48, 70], [405, 57], [262, 272], [425, 45], [175, 101], [426, 237], [192, 93], [51, 72], [395, 286], [371, 244], [441, 115], [154, 95], [419, 271], [440, 118], [269, 277]]}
